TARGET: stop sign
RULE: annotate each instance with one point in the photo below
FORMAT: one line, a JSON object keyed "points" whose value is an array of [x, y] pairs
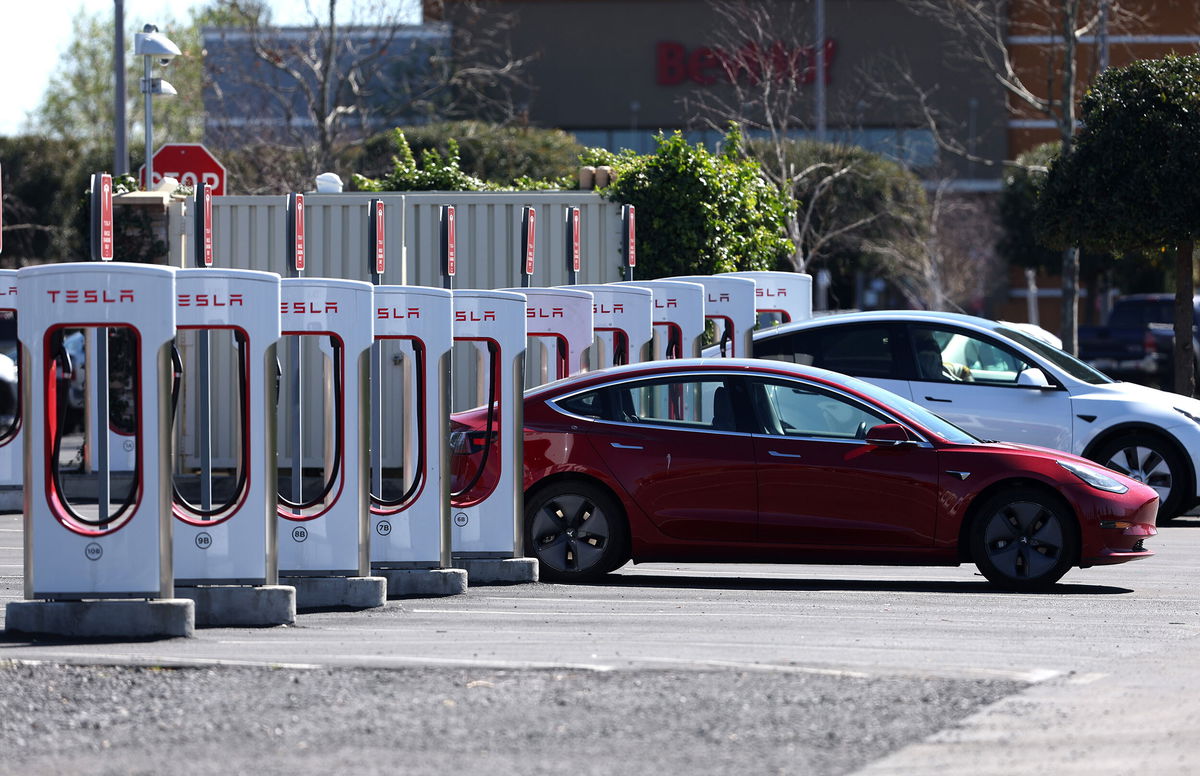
{"points": [[188, 163]]}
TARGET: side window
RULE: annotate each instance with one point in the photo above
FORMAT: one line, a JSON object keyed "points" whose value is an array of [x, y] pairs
{"points": [[803, 411], [592, 404], [863, 351], [950, 355], [798, 347], [684, 402]]}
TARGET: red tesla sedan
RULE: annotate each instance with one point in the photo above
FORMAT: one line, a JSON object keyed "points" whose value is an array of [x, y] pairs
{"points": [[730, 460]]}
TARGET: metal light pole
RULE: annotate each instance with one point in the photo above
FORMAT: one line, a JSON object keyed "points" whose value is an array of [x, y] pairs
{"points": [[121, 149], [819, 63], [151, 44]]}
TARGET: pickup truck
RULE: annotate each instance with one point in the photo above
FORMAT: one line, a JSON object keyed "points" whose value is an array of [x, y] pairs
{"points": [[1137, 343]]}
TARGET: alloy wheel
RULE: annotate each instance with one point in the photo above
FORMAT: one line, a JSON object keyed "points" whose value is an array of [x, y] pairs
{"points": [[1024, 540], [570, 533]]}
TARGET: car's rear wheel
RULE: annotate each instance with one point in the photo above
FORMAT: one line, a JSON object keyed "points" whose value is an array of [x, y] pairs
{"points": [[1152, 460], [577, 531], [1024, 539]]}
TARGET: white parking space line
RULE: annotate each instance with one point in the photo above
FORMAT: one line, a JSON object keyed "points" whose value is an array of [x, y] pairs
{"points": [[560, 613], [155, 661]]}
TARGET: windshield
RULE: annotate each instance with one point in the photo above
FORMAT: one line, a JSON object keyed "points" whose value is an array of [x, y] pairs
{"points": [[937, 425], [1060, 358]]}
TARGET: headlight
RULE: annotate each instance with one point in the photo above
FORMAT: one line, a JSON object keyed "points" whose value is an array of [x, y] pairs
{"points": [[1097, 478]]}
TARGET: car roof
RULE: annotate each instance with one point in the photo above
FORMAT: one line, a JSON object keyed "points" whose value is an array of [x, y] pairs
{"points": [[882, 316], [732, 365]]}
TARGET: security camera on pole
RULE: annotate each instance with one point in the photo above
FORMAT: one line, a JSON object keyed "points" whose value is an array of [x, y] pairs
{"points": [[152, 46]]}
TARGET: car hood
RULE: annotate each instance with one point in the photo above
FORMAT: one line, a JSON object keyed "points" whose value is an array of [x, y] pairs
{"points": [[1051, 454], [1042, 452], [1141, 403]]}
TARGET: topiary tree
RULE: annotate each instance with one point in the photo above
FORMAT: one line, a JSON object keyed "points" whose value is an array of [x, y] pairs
{"points": [[1130, 183], [1019, 244], [698, 212]]}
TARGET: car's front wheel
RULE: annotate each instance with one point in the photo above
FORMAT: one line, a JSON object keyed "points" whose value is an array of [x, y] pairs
{"points": [[1023, 539], [1149, 459], [577, 531]]}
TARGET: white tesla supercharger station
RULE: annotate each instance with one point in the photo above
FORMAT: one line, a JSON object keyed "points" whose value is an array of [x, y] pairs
{"points": [[780, 297], [410, 532], [729, 302], [76, 551], [487, 519], [559, 319], [622, 316], [322, 538], [225, 558], [11, 444], [678, 317]]}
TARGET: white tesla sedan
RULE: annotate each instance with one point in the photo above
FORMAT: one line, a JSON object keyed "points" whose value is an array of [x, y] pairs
{"points": [[1000, 383]]}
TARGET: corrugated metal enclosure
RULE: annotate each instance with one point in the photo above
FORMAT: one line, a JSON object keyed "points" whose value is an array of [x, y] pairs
{"points": [[250, 233]]}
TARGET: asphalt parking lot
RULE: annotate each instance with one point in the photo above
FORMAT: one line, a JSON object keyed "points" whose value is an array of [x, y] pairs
{"points": [[814, 669]]}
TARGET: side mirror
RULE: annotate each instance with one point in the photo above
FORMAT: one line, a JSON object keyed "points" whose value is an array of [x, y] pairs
{"points": [[1033, 378], [888, 435]]}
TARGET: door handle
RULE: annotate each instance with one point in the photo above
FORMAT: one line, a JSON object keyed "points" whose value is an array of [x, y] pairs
{"points": [[931, 398], [620, 446], [777, 454]]}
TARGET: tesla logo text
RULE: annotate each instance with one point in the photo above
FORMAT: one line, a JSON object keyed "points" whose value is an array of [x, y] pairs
{"points": [[770, 292], [383, 313], [210, 300], [91, 297], [608, 308], [537, 312], [465, 316], [665, 303], [10, 291], [307, 308], [718, 298]]}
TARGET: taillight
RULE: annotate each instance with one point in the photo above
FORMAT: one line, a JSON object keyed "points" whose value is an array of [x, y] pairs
{"points": [[468, 442], [1148, 344]]}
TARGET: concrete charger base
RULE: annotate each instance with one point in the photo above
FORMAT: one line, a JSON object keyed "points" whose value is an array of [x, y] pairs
{"points": [[240, 606], [499, 571], [423, 583], [163, 618], [337, 592]]}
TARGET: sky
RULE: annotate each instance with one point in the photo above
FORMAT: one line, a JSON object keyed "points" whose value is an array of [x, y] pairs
{"points": [[34, 34]]}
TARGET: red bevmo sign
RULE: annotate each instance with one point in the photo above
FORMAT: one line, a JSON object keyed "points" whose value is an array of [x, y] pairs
{"points": [[188, 163]]}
